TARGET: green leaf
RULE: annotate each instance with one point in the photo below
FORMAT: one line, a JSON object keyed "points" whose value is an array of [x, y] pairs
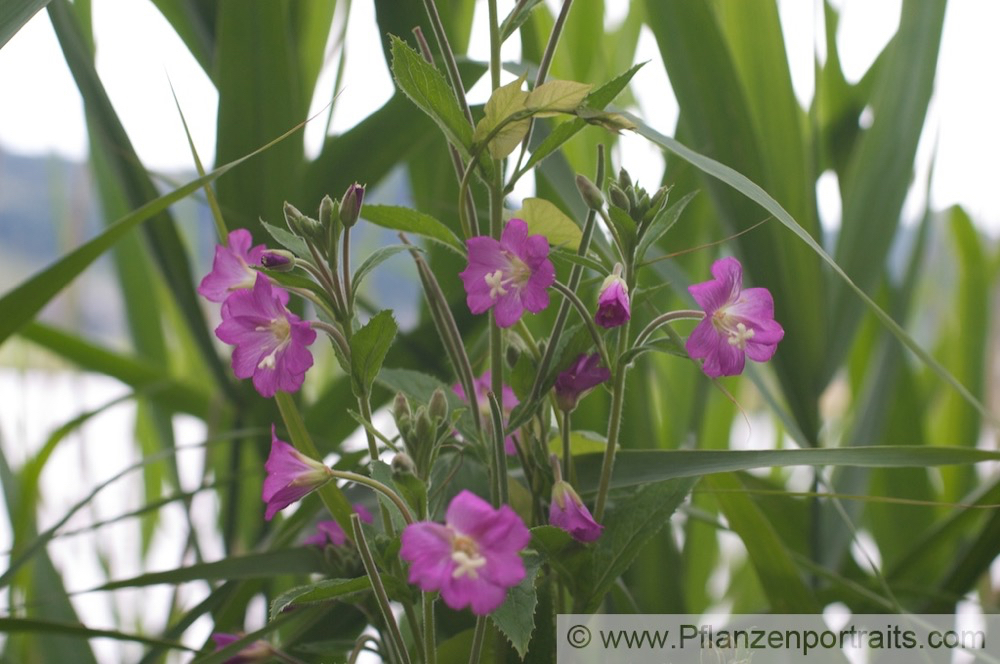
{"points": [[300, 560], [368, 348], [631, 524], [427, 88], [777, 573], [580, 442], [568, 258], [516, 18], [288, 240], [544, 218], [505, 102], [516, 616], [661, 223], [54, 628], [624, 227], [410, 221], [375, 259], [321, 591], [556, 97], [597, 100], [637, 467], [14, 14]]}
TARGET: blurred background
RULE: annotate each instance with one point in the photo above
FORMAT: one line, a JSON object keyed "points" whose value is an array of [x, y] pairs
{"points": [[917, 228]]}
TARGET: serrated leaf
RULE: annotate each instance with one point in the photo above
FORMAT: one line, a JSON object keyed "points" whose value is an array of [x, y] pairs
{"points": [[505, 101], [516, 616], [375, 259], [287, 239], [410, 221], [661, 223], [630, 525], [429, 90], [556, 97], [544, 218], [368, 348], [322, 591]]}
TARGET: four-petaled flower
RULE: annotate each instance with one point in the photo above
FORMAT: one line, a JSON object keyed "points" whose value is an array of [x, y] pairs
{"points": [[510, 275], [581, 376], [258, 651], [473, 558], [330, 531], [568, 512], [737, 322], [290, 476], [483, 385], [270, 340], [613, 307], [231, 267]]}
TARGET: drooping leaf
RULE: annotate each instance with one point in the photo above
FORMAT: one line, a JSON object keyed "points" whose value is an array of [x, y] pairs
{"points": [[321, 591], [544, 218]]}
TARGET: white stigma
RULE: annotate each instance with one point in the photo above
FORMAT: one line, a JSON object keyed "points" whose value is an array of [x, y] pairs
{"points": [[466, 565], [268, 361], [740, 336], [495, 281]]}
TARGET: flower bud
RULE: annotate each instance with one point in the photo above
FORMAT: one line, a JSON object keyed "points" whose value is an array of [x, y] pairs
{"points": [[402, 464], [438, 406], [425, 427], [624, 180], [401, 407], [327, 210], [300, 224], [613, 305], [350, 204], [618, 197], [589, 191], [568, 512], [278, 260]]}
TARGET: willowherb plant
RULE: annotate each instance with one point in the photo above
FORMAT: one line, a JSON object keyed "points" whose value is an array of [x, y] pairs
{"points": [[515, 522]]}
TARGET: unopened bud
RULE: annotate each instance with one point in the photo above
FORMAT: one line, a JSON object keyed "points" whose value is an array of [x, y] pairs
{"points": [[278, 260], [400, 407], [350, 204], [660, 197], [402, 464], [299, 223], [438, 406], [425, 427], [624, 180], [327, 209], [591, 194], [618, 197]]}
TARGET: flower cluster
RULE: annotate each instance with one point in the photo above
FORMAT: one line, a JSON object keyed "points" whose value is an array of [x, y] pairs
{"points": [[271, 342]]}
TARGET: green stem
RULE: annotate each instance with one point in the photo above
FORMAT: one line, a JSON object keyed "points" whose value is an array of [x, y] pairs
{"points": [[663, 319], [575, 276], [478, 638], [377, 486], [614, 426], [588, 320], [346, 269], [569, 470], [499, 453], [382, 598], [430, 647], [335, 334]]}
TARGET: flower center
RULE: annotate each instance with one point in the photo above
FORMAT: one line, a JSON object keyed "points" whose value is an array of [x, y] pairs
{"points": [[737, 335], [281, 331], [465, 554], [495, 281]]}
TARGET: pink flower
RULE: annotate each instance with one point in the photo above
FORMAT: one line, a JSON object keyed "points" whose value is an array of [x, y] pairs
{"points": [[582, 376], [330, 531], [483, 384], [473, 558], [270, 340], [737, 322], [613, 307], [258, 651], [231, 267], [511, 275], [568, 512], [290, 476]]}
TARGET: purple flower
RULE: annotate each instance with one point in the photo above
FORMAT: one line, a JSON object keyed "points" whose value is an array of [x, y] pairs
{"points": [[270, 340], [330, 531], [613, 308], [483, 384], [473, 558], [350, 204], [290, 476], [258, 651], [582, 376], [568, 512], [231, 267], [737, 322], [511, 275]]}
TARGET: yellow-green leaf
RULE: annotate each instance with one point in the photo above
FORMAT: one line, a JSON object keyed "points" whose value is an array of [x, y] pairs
{"points": [[557, 97], [505, 102], [546, 219]]}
